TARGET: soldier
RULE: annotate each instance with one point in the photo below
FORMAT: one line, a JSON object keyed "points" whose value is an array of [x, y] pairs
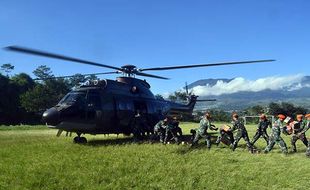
{"points": [[138, 125], [275, 137], [178, 129], [241, 132], [171, 131], [305, 130], [299, 133], [262, 129], [201, 132], [160, 129], [226, 136]]}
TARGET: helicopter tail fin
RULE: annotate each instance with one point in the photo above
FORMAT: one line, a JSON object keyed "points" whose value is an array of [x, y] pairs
{"points": [[192, 102]]}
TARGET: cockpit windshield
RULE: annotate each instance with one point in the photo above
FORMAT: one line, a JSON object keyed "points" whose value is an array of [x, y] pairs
{"points": [[73, 97]]}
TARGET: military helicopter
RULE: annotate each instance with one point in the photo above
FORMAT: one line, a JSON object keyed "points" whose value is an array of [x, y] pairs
{"points": [[108, 106]]}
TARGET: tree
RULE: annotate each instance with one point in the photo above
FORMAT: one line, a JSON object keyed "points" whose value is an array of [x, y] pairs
{"points": [[77, 80], [178, 96], [254, 110], [286, 108], [43, 72], [44, 96], [172, 97], [159, 97], [7, 68], [23, 81], [9, 101]]}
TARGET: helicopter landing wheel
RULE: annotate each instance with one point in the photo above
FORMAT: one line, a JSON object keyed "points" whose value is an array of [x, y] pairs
{"points": [[80, 140]]}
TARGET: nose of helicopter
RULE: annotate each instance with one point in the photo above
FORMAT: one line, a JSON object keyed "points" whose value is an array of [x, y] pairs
{"points": [[51, 116]]}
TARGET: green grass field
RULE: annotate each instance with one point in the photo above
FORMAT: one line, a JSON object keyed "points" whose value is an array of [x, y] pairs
{"points": [[32, 157]]}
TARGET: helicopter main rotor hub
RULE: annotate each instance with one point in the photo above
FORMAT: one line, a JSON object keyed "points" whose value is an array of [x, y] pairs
{"points": [[129, 70]]}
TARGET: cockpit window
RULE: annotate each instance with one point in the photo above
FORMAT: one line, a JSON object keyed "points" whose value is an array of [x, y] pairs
{"points": [[72, 97]]}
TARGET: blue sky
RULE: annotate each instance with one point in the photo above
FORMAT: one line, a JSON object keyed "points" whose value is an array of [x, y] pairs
{"points": [[160, 33]]}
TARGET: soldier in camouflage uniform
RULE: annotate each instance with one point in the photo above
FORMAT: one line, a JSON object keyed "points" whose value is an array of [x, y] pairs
{"points": [[160, 129], [171, 131], [241, 133], [275, 137], [201, 132], [299, 133], [136, 125], [262, 129], [305, 130]]}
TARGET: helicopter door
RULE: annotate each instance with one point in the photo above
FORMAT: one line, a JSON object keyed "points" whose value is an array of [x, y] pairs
{"points": [[141, 106], [125, 110], [93, 105]]}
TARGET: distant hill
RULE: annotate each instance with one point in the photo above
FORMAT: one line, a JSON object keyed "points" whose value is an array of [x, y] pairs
{"points": [[297, 92]]}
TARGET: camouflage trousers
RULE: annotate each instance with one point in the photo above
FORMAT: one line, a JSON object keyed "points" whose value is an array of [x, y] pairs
{"points": [[308, 151], [276, 139], [259, 134], [295, 137], [238, 137], [206, 136], [161, 133], [171, 133]]}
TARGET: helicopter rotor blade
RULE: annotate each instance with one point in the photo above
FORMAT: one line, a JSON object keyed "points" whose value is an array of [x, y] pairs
{"points": [[56, 56], [149, 75], [205, 65], [69, 76], [206, 100]]}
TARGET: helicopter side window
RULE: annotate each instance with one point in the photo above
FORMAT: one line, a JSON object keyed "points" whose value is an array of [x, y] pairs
{"points": [[123, 105], [94, 100]]}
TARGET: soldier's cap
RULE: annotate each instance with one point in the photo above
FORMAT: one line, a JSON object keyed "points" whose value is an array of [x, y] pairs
{"points": [[299, 116], [281, 116], [307, 116], [262, 116]]}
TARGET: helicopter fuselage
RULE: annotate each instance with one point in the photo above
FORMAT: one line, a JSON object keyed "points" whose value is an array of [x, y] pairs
{"points": [[108, 107]]}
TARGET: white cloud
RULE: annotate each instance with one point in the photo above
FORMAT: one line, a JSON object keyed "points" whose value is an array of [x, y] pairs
{"points": [[240, 84]]}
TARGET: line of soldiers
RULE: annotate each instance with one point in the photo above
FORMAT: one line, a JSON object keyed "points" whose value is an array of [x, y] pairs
{"points": [[283, 124]]}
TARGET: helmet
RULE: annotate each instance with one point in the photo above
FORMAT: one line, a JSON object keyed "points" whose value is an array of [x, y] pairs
{"points": [[281, 116], [299, 116], [262, 116]]}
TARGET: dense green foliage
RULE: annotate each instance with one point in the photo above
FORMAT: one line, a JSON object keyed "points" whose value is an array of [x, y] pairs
{"points": [[37, 159]]}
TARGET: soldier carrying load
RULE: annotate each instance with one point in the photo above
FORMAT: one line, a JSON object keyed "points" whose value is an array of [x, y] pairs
{"points": [[262, 129]]}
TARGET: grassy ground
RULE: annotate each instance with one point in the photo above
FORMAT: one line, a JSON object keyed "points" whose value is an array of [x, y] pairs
{"points": [[34, 158]]}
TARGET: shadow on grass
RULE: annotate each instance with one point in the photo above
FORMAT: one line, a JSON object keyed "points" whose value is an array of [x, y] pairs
{"points": [[112, 141], [130, 140]]}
